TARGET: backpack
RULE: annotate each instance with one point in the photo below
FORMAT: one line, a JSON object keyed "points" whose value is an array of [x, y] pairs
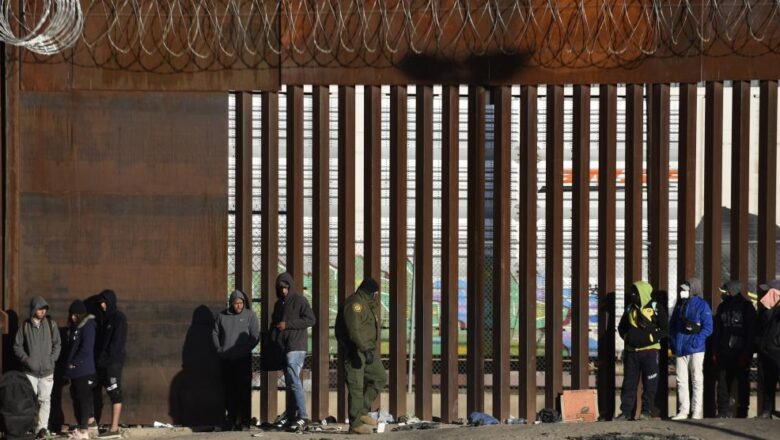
{"points": [[18, 405]]}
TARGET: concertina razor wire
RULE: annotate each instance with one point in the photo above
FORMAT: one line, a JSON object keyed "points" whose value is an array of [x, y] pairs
{"points": [[195, 35]]}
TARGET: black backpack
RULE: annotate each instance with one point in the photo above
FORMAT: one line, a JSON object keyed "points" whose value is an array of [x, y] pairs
{"points": [[18, 405]]}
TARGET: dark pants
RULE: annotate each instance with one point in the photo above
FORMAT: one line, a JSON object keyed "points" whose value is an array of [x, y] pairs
{"points": [[636, 364], [237, 382], [729, 374], [364, 383], [770, 372], [81, 393]]}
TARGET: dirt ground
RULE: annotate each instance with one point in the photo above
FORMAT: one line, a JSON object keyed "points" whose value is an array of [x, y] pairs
{"points": [[708, 429]]}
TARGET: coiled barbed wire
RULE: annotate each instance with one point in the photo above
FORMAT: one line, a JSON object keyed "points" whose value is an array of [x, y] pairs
{"points": [[45, 27], [198, 35]]}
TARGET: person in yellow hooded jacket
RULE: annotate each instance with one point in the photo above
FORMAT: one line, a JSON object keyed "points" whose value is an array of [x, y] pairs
{"points": [[643, 325]]}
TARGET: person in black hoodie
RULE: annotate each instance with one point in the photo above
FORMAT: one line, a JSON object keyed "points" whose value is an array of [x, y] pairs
{"points": [[732, 341], [81, 365], [110, 357], [291, 318], [768, 342]]}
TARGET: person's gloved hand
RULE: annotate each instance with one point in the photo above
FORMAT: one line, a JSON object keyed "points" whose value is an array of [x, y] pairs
{"points": [[369, 354]]}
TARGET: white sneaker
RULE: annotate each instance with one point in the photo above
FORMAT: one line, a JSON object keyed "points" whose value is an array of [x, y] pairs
{"points": [[680, 416], [697, 416]]}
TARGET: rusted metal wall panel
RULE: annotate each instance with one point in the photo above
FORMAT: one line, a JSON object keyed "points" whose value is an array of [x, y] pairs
{"points": [[449, 254], [580, 370], [686, 206], [740, 173], [605, 375], [527, 296], [713, 171], [127, 191], [269, 236], [243, 243], [294, 165], [475, 356], [423, 254], [398, 167], [553, 286], [346, 211], [658, 219], [320, 252], [501, 250]]}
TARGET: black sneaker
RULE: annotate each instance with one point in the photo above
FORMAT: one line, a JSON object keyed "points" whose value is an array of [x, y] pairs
{"points": [[42, 433], [623, 417], [110, 434], [281, 422], [298, 425]]}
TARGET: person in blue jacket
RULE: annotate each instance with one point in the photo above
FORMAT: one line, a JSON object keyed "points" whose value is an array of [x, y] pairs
{"points": [[689, 328], [81, 365]]}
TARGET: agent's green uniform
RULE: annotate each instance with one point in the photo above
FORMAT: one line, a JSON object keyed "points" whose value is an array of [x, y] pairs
{"points": [[357, 330]]}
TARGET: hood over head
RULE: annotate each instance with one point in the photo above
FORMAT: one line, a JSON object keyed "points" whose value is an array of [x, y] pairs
{"points": [[37, 303], [641, 294], [285, 279], [109, 297], [237, 294]]}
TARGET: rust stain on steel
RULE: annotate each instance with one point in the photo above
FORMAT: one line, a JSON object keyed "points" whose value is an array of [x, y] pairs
{"points": [[449, 255], [126, 191], [320, 252], [580, 239], [605, 375]]}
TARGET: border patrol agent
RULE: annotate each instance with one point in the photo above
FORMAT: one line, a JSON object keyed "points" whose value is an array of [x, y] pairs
{"points": [[357, 332]]}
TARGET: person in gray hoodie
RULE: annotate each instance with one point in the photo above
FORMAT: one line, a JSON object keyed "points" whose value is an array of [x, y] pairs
{"points": [[37, 346], [236, 333]]}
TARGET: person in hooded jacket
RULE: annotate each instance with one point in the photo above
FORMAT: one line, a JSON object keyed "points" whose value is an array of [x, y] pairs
{"points": [[37, 346], [732, 345], [81, 365], [291, 318], [236, 333], [110, 357], [642, 327], [689, 328], [768, 341]]}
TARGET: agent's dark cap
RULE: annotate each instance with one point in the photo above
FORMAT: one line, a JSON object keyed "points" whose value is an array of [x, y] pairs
{"points": [[369, 285]]}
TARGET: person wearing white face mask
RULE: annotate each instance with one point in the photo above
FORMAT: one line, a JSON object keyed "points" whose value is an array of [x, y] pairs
{"points": [[690, 325]]}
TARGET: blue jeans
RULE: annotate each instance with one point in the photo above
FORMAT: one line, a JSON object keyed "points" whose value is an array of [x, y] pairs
{"points": [[295, 401]]}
